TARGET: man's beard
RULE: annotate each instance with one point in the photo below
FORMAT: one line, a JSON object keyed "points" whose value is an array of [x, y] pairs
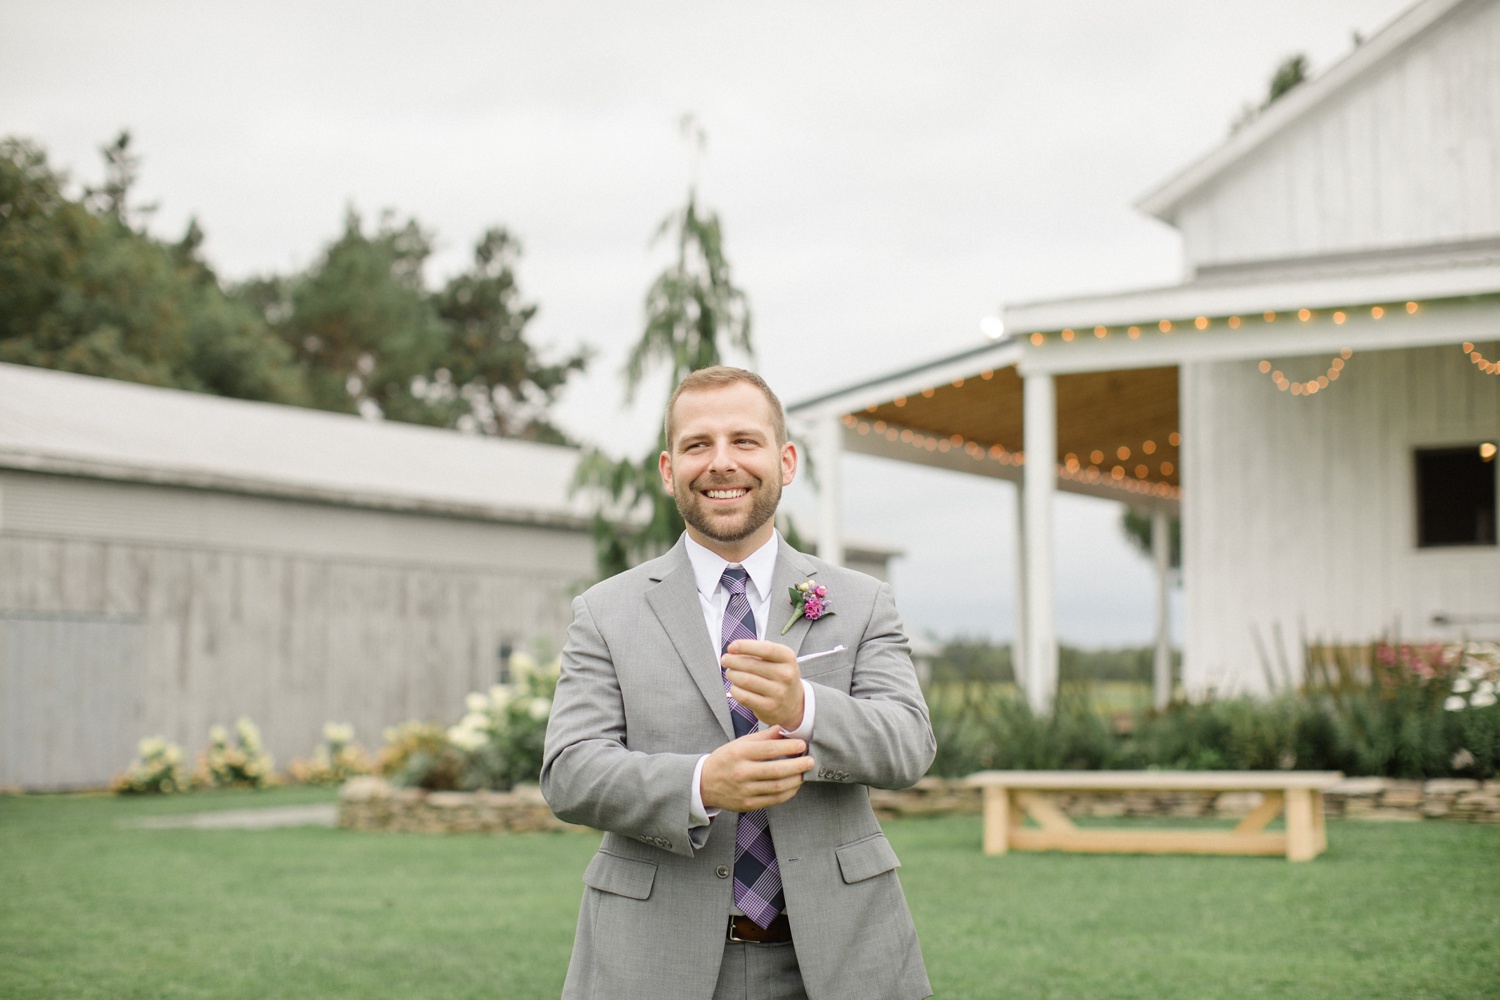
{"points": [[696, 512]]}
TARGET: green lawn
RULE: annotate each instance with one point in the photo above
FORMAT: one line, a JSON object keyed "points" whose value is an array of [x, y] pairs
{"points": [[92, 907]]}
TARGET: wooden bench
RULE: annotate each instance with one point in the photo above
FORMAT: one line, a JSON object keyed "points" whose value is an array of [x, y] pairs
{"points": [[1011, 796]]}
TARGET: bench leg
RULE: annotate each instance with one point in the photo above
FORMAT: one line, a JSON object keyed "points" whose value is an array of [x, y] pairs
{"points": [[996, 820], [1301, 827]]}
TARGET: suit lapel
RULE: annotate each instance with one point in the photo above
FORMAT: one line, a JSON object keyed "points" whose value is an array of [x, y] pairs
{"points": [[674, 601], [792, 568]]}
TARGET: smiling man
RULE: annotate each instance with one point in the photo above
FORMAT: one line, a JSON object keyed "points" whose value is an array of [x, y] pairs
{"points": [[740, 855]]}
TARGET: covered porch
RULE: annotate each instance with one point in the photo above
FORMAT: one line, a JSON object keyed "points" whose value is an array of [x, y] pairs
{"points": [[1103, 387]]}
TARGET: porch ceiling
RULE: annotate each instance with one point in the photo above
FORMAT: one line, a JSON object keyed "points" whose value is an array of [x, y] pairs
{"points": [[1116, 430]]}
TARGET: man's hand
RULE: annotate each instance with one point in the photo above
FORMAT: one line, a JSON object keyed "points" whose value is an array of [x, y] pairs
{"points": [[765, 678], [755, 771]]}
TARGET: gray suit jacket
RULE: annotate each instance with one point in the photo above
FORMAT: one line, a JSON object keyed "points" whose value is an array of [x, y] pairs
{"points": [[641, 699]]}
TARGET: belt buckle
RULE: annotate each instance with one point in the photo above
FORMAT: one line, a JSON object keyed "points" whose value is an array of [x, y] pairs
{"points": [[732, 936]]}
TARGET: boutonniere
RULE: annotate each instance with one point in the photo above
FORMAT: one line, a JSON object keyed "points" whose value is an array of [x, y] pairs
{"points": [[810, 601]]}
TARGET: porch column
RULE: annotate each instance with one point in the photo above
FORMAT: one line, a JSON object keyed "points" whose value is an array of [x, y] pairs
{"points": [[1161, 551], [829, 443], [1039, 484], [1018, 641]]}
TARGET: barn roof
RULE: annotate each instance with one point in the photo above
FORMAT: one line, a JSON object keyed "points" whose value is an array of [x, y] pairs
{"points": [[79, 425]]}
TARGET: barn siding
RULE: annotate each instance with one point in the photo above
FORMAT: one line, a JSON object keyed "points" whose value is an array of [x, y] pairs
{"points": [[292, 613], [1301, 523], [1405, 156]]}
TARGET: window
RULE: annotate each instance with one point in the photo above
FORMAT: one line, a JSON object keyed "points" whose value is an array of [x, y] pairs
{"points": [[1456, 495]]}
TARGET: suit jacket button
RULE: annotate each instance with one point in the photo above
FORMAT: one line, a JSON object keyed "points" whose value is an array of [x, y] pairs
{"points": [[722, 871]]}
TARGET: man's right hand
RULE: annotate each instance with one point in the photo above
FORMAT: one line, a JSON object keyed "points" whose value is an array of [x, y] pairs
{"points": [[755, 771]]}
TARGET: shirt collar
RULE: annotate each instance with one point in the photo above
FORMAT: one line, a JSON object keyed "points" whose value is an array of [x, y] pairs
{"points": [[708, 566]]}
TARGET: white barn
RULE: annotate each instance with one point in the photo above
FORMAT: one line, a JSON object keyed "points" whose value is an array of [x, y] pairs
{"points": [[170, 560], [1319, 397]]}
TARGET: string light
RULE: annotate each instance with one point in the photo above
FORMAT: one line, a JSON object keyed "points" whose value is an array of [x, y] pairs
{"points": [[1071, 468], [1305, 314], [1312, 386], [1479, 360]]}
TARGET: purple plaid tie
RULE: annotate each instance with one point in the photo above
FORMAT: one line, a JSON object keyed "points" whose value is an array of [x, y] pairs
{"points": [[757, 876]]}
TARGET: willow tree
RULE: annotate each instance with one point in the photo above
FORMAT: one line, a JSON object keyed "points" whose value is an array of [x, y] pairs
{"points": [[694, 312]]}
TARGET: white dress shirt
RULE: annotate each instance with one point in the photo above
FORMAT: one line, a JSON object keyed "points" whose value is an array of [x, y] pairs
{"points": [[708, 571]]}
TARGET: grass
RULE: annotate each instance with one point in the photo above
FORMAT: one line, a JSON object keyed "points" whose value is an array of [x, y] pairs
{"points": [[92, 907]]}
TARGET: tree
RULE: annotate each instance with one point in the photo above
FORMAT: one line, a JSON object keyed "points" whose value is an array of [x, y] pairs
{"points": [[82, 290], [374, 340], [1137, 527], [1290, 73], [507, 387], [694, 312]]}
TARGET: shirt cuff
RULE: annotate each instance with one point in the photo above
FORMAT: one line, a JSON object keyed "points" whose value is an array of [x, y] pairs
{"points": [[809, 710], [698, 814]]}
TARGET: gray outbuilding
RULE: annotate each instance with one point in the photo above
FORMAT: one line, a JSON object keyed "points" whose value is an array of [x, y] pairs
{"points": [[171, 560]]}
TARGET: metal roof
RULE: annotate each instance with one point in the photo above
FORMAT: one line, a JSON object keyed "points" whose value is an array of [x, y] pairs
{"points": [[80, 425]]}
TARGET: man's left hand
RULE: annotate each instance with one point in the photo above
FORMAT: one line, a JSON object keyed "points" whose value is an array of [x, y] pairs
{"points": [[765, 678]]}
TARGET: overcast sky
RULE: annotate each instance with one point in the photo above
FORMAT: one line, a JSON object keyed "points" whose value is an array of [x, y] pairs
{"points": [[887, 174]]}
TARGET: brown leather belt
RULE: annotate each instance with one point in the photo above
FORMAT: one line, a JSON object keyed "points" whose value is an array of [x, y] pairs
{"points": [[745, 929]]}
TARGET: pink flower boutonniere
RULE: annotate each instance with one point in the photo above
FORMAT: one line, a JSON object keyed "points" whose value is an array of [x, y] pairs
{"points": [[810, 601]]}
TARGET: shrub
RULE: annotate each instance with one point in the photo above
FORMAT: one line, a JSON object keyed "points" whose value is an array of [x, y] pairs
{"points": [[418, 755], [1387, 709], [157, 769], [984, 726], [504, 729], [495, 745], [242, 764], [337, 759]]}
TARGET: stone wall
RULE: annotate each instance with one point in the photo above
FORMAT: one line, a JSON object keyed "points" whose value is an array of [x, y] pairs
{"points": [[370, 803], [373, 804], [1352, 798]]}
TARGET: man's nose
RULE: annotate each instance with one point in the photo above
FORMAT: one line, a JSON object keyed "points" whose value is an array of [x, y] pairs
{"points": [[723, 458]]}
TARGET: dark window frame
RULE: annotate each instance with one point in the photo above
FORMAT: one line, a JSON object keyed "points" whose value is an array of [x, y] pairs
{"points": [[1455, 497]]}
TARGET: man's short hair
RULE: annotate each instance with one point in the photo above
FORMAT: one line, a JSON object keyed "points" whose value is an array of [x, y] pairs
{"points": [[718, 377]]}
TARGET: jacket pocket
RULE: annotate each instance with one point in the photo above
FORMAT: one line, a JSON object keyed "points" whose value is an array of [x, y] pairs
{"points": [[866, 858], [842, 660], [620, 876]]}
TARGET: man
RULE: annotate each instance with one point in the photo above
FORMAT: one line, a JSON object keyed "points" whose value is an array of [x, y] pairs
{"points": [[741, 858]]}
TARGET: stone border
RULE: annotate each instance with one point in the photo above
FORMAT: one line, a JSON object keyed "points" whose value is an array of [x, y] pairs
{"points": [[370, 803], [1352, 798]]}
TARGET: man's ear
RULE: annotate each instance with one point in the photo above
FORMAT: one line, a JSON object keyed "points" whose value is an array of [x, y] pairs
{"points": [[664, 466], [788, 463]]}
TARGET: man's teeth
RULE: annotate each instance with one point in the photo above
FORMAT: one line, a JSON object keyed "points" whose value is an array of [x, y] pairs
{"points": [[726, 494]]}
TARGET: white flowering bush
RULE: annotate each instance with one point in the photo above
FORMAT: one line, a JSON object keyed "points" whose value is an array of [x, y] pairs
{"points": [[243, 763], [1477, 678], [1472, 707], [334, 761], [157, 769], [502, 732]]}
